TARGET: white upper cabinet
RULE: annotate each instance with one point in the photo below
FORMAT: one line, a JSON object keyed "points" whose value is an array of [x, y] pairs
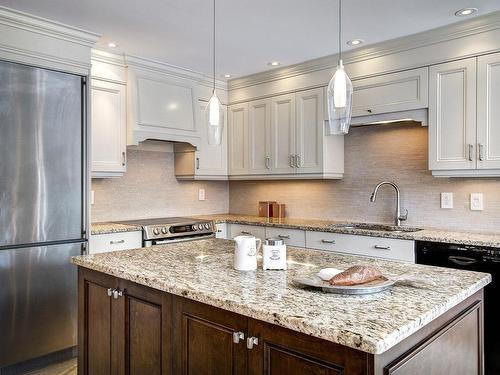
{"points": [[283, 134], [310, 128], [394, 92], [109, 127], [464, 134], [284, 139], [452, 115], [238, 138], [488, 112], [259, 133]]}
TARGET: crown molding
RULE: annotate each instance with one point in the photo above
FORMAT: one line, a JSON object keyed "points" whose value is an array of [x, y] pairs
{"points": [[17, 19], [477, 25], [173, 70], [108, 58]]}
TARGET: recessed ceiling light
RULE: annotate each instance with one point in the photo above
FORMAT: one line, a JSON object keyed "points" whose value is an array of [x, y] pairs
{"points": [[112, 45], [274, 63], [227, 75], [465, 12], [354, 42]]}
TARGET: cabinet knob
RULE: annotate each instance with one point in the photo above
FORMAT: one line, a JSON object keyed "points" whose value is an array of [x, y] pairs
{"points": [[251, 341], [237, 336]]}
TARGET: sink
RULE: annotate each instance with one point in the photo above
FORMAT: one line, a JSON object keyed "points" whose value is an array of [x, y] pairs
{"points": [[377, 227]]}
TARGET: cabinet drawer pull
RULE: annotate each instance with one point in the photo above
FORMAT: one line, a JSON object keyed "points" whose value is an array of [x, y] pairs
{"points": [[237, 336], [380, 247], [124, 159], [471, 152], [110, 292], [284, 236], [116, 242], [117, 293], [251, 341], [298, 161], [327, 241], [246, 232], [292, 161], [197, 163], [268, 162]]}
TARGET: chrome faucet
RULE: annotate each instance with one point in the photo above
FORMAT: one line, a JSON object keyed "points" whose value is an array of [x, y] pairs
{"points": [[399, 217]]}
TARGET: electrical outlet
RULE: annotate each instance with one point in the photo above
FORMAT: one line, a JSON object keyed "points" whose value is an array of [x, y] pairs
{"points": [[91, 196], [476, 202], [201, 194], [446, 200]]}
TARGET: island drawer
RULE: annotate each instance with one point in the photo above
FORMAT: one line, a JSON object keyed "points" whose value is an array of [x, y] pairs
{"points": [[292, 237], [248, 230], [379, 247], [103, 243]]}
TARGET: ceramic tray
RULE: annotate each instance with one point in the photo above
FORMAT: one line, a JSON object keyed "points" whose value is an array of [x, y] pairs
{"points": [[314, 281]]}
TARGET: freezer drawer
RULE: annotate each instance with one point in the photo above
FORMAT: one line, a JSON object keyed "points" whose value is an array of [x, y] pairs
{"points": [[38, 301]]}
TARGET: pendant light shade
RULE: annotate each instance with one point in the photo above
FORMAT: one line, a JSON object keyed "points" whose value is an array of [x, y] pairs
{"points": [[339, 94], [214, 113]]}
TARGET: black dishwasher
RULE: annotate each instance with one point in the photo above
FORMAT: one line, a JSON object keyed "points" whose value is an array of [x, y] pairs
{"points": [[473, 258]]}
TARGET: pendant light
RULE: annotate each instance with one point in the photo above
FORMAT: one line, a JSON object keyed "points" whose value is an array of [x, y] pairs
{"points": [[339, 94], [214, 113]]}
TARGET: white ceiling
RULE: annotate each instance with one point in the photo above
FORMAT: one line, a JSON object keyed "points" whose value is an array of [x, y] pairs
{"points": [[251, 33]]}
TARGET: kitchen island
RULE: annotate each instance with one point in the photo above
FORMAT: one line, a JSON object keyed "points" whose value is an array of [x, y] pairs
{"points": [[182, 309]]}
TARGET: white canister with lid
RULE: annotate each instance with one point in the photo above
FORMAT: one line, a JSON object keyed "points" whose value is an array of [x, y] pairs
{"points": [[274, 254]]}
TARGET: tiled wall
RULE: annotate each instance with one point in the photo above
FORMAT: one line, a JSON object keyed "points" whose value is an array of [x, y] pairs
{"points": [[373, 154], [150, 189]]}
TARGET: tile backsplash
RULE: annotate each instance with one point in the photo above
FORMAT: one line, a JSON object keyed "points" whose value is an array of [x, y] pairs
{"points": [[396, 153], [149, 189]]}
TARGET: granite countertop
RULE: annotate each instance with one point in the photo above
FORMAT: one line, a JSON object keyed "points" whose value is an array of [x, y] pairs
{"points": [[202, 271], [107, 227], [427, 234]]}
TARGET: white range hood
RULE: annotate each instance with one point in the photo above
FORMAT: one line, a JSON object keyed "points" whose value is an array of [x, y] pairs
{"points": [[418, 116]]}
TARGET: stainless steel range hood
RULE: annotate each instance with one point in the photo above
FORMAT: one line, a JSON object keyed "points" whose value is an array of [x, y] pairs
{"points": [[418, 116]]}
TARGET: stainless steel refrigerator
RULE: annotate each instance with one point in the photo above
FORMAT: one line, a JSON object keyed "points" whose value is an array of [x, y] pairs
{"points": [[42, 210]]}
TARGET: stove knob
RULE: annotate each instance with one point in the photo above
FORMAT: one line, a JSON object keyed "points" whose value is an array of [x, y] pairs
{"points": [[195, 227], [156, 231], [164, 230], [207, 226]]}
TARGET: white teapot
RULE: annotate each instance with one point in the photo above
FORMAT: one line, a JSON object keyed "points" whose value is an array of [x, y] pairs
{"points": [[245, 252]]}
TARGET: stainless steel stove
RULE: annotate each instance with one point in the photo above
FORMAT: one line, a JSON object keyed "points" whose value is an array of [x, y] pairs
{"points": [[173, 229]]}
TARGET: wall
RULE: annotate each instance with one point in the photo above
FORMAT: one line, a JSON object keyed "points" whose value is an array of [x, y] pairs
{"points": [[149, 189], [372, 154]]}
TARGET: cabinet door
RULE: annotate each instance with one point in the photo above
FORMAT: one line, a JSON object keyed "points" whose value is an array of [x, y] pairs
{"points": [[144, 338], [283, 134], [211, 159], [309, 145], [488, 115], [452, 115], [259, 132], [238, 139], [281, 351], [203, 340], [108, 128], [95, 323]]}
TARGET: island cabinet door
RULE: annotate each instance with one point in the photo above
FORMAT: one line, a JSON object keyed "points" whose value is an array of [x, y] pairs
{"points": [[143, 317], [207, 340], [278, 351]]}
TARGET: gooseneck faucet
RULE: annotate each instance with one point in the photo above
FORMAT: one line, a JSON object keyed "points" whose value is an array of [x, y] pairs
{"points": [[399, 217]]}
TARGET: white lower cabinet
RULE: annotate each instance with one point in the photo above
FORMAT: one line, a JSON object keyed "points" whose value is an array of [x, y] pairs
{"points": [[248, 230], [104, 243], [221, 230], [291, 237], [379, 247]]}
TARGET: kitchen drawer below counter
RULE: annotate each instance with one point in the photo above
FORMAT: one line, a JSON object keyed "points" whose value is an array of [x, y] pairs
{"points": [[103, 243], [291, 237], [386, 248]]}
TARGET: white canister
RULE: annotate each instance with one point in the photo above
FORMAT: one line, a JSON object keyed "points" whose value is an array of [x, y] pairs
{"points": [[245, 252], [274, 254]]}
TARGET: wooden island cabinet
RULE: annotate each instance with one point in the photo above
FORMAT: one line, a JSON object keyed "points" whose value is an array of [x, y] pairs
{"points": [[127, 328]]}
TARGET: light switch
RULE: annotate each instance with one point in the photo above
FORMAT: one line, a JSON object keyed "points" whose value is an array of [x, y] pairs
{"points": [[446, 200], [201, 194], [476, 202]]}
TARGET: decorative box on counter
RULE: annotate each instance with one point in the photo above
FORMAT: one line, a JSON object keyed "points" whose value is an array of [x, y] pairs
{"points": [[266, 208]]}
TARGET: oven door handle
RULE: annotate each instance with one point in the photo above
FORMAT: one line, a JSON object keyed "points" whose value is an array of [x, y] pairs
{"points": [[462, 261]]}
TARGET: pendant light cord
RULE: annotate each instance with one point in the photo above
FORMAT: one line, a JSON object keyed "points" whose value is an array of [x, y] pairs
{"points": [[214, 48], [340, 29]]}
